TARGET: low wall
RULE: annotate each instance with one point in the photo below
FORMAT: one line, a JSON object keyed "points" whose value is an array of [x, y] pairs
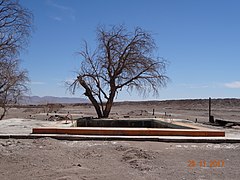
{"points": [[140, 123]]}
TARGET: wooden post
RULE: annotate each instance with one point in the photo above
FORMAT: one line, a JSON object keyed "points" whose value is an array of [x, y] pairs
{"points": [[209, 106], [211, 118]]}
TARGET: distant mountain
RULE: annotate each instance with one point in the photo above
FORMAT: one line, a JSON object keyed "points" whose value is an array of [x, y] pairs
{"points": [[35, 100]]}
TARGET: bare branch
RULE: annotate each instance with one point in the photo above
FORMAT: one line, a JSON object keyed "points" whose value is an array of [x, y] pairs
{"points": [[13, 83], [15, 27], [122, 59]]}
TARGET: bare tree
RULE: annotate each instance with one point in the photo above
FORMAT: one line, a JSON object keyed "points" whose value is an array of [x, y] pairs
{"points": [[15, 28], [122, 60], [13, 84]]}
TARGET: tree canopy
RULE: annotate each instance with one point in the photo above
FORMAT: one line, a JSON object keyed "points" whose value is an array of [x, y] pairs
{"points": [[122, 60]]}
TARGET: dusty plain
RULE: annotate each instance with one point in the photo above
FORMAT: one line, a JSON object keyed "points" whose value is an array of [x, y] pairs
{"points": [[47, 158]]}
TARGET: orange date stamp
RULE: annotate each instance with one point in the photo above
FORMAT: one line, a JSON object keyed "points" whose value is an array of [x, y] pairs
{"points": [[203, 163]]}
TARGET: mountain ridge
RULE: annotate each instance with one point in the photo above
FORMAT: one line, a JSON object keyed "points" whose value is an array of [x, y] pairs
{"points": [[36, 100]]}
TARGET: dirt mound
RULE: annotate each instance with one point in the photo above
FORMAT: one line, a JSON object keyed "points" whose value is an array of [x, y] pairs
{"points": [[138, 113], [137, 158]]}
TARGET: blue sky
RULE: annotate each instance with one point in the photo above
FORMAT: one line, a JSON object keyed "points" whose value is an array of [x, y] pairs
{"points": [[199, 38]]}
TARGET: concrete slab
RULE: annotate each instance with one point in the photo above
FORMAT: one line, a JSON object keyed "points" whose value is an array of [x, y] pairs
{"points": [[24, 126], [178, 128]]}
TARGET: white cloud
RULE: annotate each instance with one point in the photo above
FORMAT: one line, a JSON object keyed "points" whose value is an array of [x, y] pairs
{"points": [[56, 18], [37, 83], [58, 6], [235, 84], [65, 10]]}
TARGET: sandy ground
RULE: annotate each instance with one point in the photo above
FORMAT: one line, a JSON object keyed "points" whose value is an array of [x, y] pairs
{"points": [[52, 159], [47, 158]]}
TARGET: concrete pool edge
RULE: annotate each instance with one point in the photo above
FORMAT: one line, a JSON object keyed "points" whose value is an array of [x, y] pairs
{"points": [[133, 123], [129, 131], [181, 129]]}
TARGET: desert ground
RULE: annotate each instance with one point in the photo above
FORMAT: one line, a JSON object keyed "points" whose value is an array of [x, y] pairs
{"points": [[53, 159], [227, 109], [47, 158]]}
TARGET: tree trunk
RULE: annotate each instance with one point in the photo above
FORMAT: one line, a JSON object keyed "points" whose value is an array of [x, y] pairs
{"points": [[97, 107], [94, 102], [4, 112], [107, 109], [109, 104], [90, 96]]}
